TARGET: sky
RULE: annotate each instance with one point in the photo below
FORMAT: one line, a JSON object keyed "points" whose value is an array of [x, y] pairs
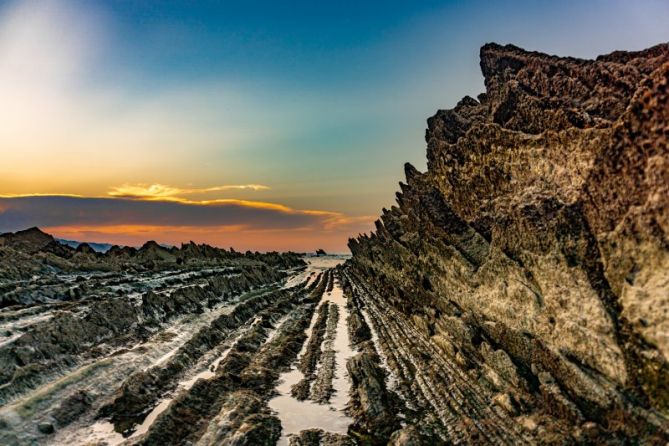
{"points": [[259, 125]]}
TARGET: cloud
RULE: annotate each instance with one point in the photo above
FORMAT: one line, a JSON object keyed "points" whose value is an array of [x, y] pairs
{"points": [[25, 211], [241, 223], [161, 191]]}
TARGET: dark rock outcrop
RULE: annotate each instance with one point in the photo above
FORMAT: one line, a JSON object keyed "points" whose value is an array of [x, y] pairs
{"points": [[36, 257], [29, 240], [317, 437], [534, 252]]}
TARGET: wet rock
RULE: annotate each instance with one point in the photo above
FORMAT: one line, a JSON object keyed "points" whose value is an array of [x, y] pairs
{"points": [[359, 330], [243, 420], [312, 354], [301, 390], [309, 437], [409, 436], [252, 367], [46, 428], [371, 403], [140, 391], [257, 429], [322, 388], [317, 437], [61, 340], [73, 407], [79, 325]]}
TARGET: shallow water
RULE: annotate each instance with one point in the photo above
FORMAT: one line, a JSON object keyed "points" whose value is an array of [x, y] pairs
{"points": [[297, 415], [101, 378], [342, 345], [101, 432], [151, 417]]}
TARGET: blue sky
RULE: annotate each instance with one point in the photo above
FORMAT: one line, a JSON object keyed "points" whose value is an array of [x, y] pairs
{"points": [[321, 102]]}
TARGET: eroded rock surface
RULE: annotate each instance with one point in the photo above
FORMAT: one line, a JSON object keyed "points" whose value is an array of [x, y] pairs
{"points": [[530, 262], [91, 343], [517, 294]]}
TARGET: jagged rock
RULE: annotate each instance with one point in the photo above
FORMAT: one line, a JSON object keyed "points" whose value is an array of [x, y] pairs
{"points": [[30, 240], [358, 328], [371, 402], [409, 436], [317, 437], [72, 407], [109, 316], [537, 240], [38, 257]]}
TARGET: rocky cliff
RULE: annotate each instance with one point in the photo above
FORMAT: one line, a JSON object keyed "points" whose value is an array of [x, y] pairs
{"points": [[533, 254]]}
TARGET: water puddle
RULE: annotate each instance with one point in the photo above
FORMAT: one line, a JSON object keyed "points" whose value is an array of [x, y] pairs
{"points": [[297, 415], [342, 345], [101, 432], [163, 359], [151, 417]]}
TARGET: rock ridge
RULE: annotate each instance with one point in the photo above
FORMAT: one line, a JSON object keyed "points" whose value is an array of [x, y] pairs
{"points": [[534, 250]]}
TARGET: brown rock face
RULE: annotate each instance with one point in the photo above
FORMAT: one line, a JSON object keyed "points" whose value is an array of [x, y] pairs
{"points": [[535, 248]]}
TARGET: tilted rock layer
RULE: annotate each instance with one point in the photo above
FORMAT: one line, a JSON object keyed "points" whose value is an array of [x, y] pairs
{"points": [[536, 247]]}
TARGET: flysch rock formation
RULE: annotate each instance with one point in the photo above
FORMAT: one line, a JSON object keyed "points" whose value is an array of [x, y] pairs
{"points": [[173, 346], [520, 287], [36, 268], [517, 294], [76, 326]]}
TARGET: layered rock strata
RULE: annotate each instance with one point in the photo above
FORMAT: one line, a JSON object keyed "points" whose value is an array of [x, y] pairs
{"points": [[30, 258], [89, 348], [527, 270]]}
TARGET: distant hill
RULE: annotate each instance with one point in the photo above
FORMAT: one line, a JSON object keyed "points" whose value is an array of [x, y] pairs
{"points": [[99, 247]]}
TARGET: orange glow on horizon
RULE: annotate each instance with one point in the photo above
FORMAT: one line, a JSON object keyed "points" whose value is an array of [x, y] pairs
{"points": [[304, 240]]}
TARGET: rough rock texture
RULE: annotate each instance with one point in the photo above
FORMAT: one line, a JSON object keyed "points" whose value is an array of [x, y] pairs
{"points": [[534, 252], [31, 254], [65, 315], [316, 437]]}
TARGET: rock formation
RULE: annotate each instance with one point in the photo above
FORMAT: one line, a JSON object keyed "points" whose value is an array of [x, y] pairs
{"points": [[30, 260], [532, 256], [517, 294], [85, 335]]}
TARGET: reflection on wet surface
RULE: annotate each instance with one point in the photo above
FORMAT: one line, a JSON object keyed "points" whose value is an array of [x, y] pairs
{"points": [[297, 415], [101, 377]]}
